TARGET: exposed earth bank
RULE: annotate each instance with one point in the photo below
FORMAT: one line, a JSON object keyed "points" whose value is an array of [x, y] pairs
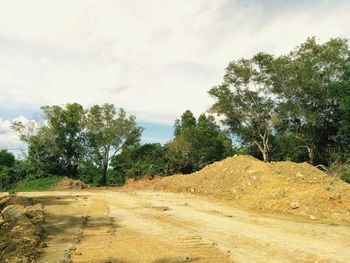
{"points": [[21, 232], [280, 188]]}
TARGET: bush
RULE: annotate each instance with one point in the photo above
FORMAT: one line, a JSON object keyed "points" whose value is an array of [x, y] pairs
{"points": [[88, 173], [7, 177], [147, 159], [6, 158], [28, 170], [341, 170], [346, 177]]}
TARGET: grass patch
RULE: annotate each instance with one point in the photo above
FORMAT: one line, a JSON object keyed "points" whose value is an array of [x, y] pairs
{"points": [[40, 184], [346, 177]]}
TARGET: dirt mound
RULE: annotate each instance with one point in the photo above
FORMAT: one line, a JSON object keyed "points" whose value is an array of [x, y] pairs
{"points": [[71, 184], [21, 231], [280, 187]]}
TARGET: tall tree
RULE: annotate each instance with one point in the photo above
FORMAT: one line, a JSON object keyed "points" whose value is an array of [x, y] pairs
{"points": [[109, 131], [6, 158], [186, 122], [58, 144], [341, 90], [245, 101], [303, 82], [197, 143], [66, 125]]}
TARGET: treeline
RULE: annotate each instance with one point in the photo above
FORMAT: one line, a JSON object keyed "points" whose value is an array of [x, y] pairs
{"points": [[295, 106], [292, 107], [101, 145]]}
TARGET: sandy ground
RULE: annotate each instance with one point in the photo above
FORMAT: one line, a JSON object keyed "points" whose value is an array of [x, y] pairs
{"points": [[106, 226]]}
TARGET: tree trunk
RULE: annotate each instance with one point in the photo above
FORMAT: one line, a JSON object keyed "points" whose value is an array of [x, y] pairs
{"points": [[264, 149], [72, 171], [266, 156], [103, 180], [311, 153]]}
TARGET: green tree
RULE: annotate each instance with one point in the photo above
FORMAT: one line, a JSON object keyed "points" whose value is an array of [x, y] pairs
{"points": [[66, 126], [6, 158], [341, 90], [108, 132], [140, 160], [186, 122], [246, 102], [286, 147], [303, 82], [197, 143], [58, 144]]}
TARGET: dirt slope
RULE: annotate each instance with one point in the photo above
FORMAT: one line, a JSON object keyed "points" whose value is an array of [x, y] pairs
{"points": [[116, 226], [21, 231], [283, 188], [71, 184]]}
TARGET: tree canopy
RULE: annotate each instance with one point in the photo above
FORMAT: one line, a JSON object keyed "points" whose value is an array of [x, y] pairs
{"points": [[246, 101], [108, 132]]}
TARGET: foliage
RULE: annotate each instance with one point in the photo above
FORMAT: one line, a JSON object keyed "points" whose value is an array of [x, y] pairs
{"points": [[6, 158], [56, 146], [197, 143], [108, 133], [89, 173], [346, 177], [288, 148], [140, 160], [303, 82], [246, 102], [342, 139], [7, 177], [66, 126]]}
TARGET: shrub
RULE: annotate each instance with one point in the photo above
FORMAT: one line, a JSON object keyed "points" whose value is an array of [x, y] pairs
{"points": [[7, 177], [346, 177]]}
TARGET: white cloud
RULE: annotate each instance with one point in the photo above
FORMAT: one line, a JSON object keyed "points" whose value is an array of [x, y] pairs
{"points": [[156, 58], [9, 139]]}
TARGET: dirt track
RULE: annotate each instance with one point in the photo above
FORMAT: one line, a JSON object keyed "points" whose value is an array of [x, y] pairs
{"points": [[108, 226]]}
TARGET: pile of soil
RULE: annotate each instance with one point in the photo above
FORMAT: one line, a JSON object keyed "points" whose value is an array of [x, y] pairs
{"points": [[71, 184], [21, 231], [283, 188]]}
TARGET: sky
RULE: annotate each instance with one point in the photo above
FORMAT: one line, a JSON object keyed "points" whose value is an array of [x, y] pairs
{"points": [[154, 58]]}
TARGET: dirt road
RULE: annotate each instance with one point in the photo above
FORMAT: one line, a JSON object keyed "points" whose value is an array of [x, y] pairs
{"points": [[108, 226]]}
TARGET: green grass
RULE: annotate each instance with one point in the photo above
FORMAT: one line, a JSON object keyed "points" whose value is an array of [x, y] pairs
{"points": [[40, 184]]}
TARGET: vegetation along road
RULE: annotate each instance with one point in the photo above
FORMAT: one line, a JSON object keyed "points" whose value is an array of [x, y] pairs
{"points": [[126, 226]]}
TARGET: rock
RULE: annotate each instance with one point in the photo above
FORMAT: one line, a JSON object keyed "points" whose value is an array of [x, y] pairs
{"points": [[12, 213], [312, 217], [294, 205], [335, 196], [35, 213], [193, 189], [299, 175], [2, 221]]}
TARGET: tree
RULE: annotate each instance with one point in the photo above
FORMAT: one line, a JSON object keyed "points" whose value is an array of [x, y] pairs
{"points": [[135, 162], [286, 147], [66, 125], [58, 144], [303, 83], [6, 158], [341, 90], [197, 143], [187, 122], [108, 132], [246, 102]]}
